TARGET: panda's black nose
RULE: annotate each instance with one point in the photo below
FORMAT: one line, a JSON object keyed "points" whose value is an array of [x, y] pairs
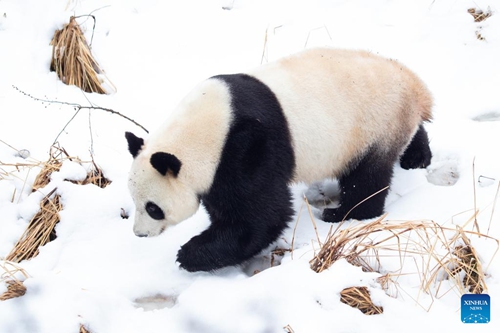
{"points": [[141, 235]]}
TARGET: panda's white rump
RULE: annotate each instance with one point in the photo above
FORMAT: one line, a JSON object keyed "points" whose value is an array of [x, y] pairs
{"points": [[338, 103]]}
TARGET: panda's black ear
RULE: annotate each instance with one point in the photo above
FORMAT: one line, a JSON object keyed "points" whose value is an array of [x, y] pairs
{"points": [[164, 162], [134, 143]]}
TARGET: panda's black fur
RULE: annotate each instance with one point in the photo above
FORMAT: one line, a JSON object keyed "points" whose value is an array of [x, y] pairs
{"points": [[366, 182], [250, 184]]}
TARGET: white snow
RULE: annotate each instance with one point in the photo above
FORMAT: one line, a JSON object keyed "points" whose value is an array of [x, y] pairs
{"points": [[98, 274]]}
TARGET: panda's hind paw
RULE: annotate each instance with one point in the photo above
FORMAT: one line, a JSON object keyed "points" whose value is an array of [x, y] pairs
{"points": [[332, 215]]}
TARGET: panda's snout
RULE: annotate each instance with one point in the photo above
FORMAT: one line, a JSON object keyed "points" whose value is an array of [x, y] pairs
{"points": [[139, 232]]}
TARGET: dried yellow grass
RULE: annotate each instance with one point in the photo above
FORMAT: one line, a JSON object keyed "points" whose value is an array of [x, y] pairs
{"points": [[43, 177], [338, 245], [479, 15], [41, 228], [96, 177], [15, 287], [56, 158], [83, 329], [40, 231], [72, 59], [438, 253], [359, 298]]}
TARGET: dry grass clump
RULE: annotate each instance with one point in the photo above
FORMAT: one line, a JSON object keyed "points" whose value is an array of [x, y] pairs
{"points": [[57, 156], [436, 253], [95, 176], [83, 329], [359, 298], [43, 178], [40, 231], [72, 60], [15, 287], [479, 15], [467, 262], [41, 228], [346, 243]]}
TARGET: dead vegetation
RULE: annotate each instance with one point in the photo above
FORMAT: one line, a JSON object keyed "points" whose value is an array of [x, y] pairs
{"points": [[479, 15], [56, 159], [95, 176], [72, 59], [359, 298], [468, 263], [437, 254], [41, 228], [15, 287], [83, 329]]}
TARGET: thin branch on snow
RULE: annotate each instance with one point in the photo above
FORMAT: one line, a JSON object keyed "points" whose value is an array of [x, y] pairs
{"points": [[77, 107]]}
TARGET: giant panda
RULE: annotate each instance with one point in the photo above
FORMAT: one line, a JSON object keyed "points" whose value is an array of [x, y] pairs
{"points": [[236, 142]]}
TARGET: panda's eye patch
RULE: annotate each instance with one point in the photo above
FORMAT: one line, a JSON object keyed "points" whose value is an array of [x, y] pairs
{"points": [[154, 211]]}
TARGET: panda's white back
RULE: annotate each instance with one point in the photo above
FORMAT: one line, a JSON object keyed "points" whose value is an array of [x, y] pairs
{"points": [[338, 103]]}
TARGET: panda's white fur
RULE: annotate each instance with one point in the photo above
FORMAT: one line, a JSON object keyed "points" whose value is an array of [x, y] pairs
{"points": [[206, 107], [338, 102], [338, 105]]}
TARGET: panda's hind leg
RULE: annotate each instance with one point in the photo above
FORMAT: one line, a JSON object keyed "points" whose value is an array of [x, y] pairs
{"points": [[418, 153], [364, 187]]}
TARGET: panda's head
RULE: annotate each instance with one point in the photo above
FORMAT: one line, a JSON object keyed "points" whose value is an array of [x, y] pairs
{"points": [[161, 196]]}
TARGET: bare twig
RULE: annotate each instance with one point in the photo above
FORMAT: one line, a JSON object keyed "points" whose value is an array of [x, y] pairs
{"points": [[295, 230], [313, 221], [493, 208], [79, 107], [365, 199], [264, 49], [474, 188]]}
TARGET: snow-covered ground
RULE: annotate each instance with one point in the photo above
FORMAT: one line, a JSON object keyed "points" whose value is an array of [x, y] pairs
{"points": [[98, 274]]}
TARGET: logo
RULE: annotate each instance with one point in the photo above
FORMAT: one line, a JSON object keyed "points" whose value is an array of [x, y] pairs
{"points": [[475, 308]]}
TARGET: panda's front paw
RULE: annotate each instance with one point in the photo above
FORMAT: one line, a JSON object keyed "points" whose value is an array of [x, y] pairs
{"points": [[195, 256], [187, 258]]}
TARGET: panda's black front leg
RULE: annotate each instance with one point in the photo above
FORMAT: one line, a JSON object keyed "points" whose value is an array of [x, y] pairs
{"points": [[237, 234], [222, 246]]}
